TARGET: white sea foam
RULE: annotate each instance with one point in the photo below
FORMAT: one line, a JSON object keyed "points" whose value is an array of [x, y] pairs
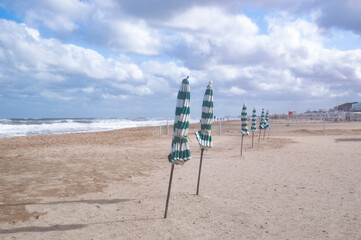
{"points": [[26, 127]]}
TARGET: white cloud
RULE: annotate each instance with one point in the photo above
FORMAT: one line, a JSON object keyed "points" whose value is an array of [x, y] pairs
{"points": [[48, 58], [33, 33], [169, 70], [212, 20], [334, 13], [226, 73], [115, 97], [53, 95], [318, 90], [129, 36], [103, 23], [59, 16], [207, 35], [339, 94], [290, 58], [141, 90], [46, 76], [88, 90], [236, 91]]}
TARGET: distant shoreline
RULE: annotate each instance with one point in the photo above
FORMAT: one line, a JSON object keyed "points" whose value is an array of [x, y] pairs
{"points": [[47, 126]]}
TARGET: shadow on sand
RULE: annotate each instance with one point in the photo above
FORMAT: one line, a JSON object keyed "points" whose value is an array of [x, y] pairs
{"points": [[57, 227], [92, 201], [348, 139], [44, 229]]}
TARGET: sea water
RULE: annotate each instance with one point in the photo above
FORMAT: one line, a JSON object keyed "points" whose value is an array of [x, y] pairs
{"points": [[26, 127]]}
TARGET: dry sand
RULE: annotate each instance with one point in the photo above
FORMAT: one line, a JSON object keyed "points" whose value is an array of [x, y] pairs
{"points": [[296, 184]]}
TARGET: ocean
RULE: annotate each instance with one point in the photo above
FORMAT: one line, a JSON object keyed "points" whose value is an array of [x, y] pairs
{"points": [[26, 127]]}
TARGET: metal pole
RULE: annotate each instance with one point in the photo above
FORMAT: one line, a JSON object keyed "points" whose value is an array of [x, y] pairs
{"points": [[242, 144], [264, 133], [220, 127], [169, 187], [199, 173], [170, 179], [252, 138], [259, 137]]}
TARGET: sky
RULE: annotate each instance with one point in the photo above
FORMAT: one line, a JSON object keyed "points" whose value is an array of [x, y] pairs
{"points": [[127, 58]]}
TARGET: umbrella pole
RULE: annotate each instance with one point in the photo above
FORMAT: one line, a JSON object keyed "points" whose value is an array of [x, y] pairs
{"points": [[169, 187], [242, 144], [220, 127], [200, 168], [252, 138], [259, 136], [264, 134]]}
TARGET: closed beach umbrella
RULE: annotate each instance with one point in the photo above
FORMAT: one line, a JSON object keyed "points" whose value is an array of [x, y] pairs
{"points": [[262, 124], [254, 120], [204, 135], [244, 120], [254, 125], [267, 116], [180, 152], [265, 122], [267, 125]]}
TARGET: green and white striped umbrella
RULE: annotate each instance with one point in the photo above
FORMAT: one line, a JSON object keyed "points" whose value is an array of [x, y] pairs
{"points": [[204, 135], [267, 118], [254, 119], [244, 120], [263, 124], [180, 152]]}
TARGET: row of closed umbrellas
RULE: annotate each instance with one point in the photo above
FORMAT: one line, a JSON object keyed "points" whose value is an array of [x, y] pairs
{"points": [[180, 152]]}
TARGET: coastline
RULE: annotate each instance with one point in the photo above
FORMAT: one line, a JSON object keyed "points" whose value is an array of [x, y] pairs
{"points": [[113, 185], [47, 126]]}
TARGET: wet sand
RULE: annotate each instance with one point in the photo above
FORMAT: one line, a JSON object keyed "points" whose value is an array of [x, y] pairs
{"points": [[297, 183]]}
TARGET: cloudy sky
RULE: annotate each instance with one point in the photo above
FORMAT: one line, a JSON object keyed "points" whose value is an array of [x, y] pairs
{"points": [[126, 58]]}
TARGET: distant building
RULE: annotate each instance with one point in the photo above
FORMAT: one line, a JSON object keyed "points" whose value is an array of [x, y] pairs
{"points": [[344, 107], [353, 116], [356, 107]]}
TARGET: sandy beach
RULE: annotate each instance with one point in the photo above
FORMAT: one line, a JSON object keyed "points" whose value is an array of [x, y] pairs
{"points": [[297, 183]]}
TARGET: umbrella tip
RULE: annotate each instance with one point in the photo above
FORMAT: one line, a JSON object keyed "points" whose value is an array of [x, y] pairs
{"points": [[187, 77]]}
